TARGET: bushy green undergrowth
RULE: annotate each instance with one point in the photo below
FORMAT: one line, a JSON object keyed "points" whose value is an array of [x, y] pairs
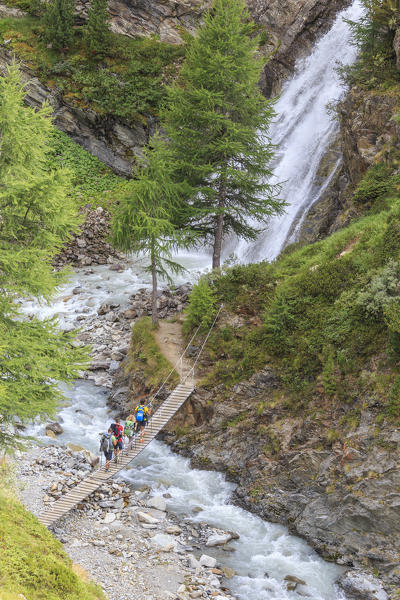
{"points": [[145, 355], [33, 563], [91, 179], [128, 83], [373, 35], [321, 313]]}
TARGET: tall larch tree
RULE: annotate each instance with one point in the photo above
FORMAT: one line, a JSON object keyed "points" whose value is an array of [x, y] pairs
{"points": [[217, 121], [144, 220], [36, 218], [97, 35], [58, 22]]}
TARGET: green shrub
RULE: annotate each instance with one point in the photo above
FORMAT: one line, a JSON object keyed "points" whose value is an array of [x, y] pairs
{"points": [[202, 306], [376, 183], [383, 289], [393, 406], [328, 376]]}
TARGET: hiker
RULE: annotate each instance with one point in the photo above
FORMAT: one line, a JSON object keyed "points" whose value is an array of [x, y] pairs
{"points": [[118, 432], [142, 413], [107, 446], [130, 428]]}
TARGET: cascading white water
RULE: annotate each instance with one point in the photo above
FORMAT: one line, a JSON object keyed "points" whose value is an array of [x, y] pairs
{"points": [[302, 133]]}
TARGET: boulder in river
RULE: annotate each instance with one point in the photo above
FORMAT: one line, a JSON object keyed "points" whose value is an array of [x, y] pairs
{"points": [[54, 428], [362, 586]]}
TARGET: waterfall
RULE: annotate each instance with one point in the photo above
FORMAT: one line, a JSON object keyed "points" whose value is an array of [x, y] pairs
{"points": [[303, 132]]}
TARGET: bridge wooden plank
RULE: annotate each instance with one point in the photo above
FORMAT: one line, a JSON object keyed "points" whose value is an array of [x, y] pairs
{"points": [[87, 486]]}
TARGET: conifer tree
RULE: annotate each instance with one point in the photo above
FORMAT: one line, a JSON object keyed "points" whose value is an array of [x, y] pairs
{"points": [[143, 222], [217, 121], [97, 35], [59, 21], [36, 218]]}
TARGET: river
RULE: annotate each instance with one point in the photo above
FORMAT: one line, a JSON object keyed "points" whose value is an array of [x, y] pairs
{"points": [[265, 552]]}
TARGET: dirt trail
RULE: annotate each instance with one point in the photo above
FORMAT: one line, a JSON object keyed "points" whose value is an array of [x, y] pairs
{"points": [[170, 341]]}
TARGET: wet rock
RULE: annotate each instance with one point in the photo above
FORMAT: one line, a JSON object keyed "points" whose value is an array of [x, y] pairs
{"points": [[55, 428], [208, 561], [219, 539], [146, 518], [362, 586], [294, 579], [173, 530], [157, 502]]}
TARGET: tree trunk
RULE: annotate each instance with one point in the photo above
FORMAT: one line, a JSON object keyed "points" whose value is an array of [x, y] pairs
{"points": [[219, 227], [154, 313]]}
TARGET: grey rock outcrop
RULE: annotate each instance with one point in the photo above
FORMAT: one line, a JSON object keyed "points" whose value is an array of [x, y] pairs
{"points": [[110, 139], [396, 46], [343, 497]]}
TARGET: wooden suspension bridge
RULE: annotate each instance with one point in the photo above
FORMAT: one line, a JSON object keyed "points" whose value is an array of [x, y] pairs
{"points": [[156, 422]]}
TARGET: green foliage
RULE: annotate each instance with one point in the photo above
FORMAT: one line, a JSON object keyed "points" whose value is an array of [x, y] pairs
{"points": [[143, 221], [381, 291], [328, 376], [145, 356], [58, 22], [91, 181], [393, 406], [37, 218], [373, 35], [254, 283], [376, 183], [97, 36], [202, 306], [129, 83], [217, 121], [33, 562]]}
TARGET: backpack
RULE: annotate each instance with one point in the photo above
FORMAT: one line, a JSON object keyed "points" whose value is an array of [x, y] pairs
{"points": [[117, 430], [140, 414], [129, 426], [105, 443]]}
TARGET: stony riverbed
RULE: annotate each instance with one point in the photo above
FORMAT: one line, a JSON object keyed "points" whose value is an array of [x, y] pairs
{"points": [[125, 539]]}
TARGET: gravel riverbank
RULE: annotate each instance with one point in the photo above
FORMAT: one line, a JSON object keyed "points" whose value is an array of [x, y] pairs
{"points": [[125, 539]]}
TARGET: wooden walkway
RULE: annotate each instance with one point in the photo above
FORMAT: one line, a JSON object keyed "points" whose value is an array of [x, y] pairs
{"points": [[93, 481]]}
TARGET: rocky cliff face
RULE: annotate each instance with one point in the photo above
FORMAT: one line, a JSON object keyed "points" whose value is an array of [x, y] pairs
{"points": [[341, 493], [110, 139], [291, 27]]}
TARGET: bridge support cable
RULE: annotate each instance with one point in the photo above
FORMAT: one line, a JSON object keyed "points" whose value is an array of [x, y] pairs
{"points": [[156, 423]]}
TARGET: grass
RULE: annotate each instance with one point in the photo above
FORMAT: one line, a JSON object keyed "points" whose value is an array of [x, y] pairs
{"points": [[129, 83], [145, 356], [33, 562]]}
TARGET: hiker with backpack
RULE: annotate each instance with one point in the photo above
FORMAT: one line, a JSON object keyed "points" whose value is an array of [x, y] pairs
{"points": [[107, 446], [118, 432], [142, 413], [129, 430]]}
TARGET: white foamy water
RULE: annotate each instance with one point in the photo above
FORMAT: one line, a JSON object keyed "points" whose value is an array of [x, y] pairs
{"points": [[265, 552], [302, 133]]}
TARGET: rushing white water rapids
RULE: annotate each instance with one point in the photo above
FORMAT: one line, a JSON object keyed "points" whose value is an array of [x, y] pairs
{"points": [[303, 132], [265, 552]]}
